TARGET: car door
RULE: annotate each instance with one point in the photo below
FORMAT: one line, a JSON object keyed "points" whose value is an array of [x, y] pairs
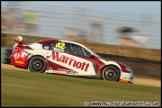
{"points": [[68, 58], [98, 64], [48, 49], [81, 52]]}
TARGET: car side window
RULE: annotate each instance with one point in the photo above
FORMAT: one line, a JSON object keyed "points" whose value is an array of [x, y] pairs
{"points": [[52, 46], [76, 50], [49, 46], [68, 48], [86, 53], [46, 46]]}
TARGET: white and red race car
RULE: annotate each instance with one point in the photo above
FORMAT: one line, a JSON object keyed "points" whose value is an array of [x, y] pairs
{"points": [[68, 58]]}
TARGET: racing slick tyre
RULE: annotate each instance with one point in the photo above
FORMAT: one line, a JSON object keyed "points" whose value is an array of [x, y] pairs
{"points": [[37, 64], [111, 73]]}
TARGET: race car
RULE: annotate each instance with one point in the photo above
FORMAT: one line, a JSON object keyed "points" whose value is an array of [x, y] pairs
{"points": [[68, 58]]}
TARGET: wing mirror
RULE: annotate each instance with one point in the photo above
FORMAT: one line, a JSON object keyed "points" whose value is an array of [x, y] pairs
{"points": [[92, 56]]}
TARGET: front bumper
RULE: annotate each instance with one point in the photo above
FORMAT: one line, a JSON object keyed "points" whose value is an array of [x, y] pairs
{"points": [[126, 77]]}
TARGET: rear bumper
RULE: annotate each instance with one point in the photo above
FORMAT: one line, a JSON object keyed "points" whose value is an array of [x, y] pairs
{"points": [[19, 60]]}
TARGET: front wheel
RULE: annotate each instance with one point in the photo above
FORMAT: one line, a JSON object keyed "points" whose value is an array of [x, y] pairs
{"points": [[37, 64], [111, 73]]}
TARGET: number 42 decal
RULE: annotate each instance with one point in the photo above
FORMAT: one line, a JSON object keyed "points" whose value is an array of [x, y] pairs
{"points": [[60, 45]]}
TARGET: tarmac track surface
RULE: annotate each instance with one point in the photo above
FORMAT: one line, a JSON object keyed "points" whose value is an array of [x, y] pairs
{"points": [[137, 80]]}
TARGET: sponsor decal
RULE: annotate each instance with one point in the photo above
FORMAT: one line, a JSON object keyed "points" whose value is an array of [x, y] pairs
{"points": [[60, 72], [66, 72], [122, 80], [19, 62], [76, 73], [16, 55], [69, 61]]}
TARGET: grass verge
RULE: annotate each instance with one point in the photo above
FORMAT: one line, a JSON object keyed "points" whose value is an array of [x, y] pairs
{"points": [[22, 88]]}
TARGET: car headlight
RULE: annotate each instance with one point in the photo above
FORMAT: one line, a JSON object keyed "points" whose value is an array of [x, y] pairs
{"points": [[128, 69], [125, 68]]}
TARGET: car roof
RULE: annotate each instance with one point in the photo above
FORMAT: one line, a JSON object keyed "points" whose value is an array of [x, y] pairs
{"points": [[47, 41], [72, 42], [55, 40]]}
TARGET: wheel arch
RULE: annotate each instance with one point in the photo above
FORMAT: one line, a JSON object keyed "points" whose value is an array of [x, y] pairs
{"points": [[110, 65], [35, 56]]}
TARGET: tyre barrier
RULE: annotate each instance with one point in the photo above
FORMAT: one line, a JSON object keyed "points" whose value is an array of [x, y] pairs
{"points": [[5, 55]]}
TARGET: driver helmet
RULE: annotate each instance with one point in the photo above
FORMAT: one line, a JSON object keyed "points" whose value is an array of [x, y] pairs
{"points": [[18, 39]]}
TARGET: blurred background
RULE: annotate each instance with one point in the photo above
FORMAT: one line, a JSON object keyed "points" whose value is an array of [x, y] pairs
{"points": [[129, 30], [85, 21]]}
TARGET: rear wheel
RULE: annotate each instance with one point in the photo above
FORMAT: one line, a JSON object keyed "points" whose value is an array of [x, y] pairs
{"points": [[37, 64], [111, 73]]}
